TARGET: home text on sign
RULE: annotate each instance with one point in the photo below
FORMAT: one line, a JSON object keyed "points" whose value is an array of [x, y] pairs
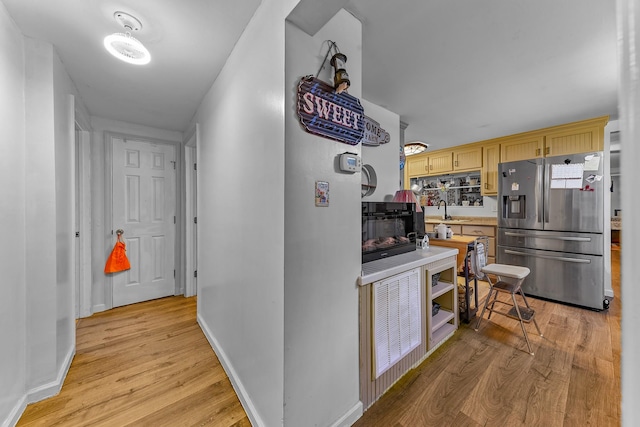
{"points": [[374, 135], [337, 116]]}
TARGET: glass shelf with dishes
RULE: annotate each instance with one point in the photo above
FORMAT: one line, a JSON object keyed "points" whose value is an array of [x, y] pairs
{"points": [[462, 189]]}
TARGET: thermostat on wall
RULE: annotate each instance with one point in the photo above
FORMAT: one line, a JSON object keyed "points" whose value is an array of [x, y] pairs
{"points": [[350, 162]]}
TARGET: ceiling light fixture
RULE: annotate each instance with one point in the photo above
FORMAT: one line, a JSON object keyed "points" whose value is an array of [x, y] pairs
{"points": [[125, 47], [415, 147]]}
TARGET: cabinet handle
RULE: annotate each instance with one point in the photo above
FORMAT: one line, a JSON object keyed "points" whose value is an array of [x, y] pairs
{"points": [[456, 163], [486, 185], [537, 151], [431, 167], [547, 150]]}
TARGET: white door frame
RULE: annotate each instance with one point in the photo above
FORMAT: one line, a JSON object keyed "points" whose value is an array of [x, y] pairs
{"points": [[108, 208], [83, 210], [190, 245]]}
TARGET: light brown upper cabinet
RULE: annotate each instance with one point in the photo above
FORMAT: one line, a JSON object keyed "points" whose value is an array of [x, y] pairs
{"points": [[417, 166], [490, 160], [571, 138], [466, 159], [526, 147], [571, 141], [440, 162]]}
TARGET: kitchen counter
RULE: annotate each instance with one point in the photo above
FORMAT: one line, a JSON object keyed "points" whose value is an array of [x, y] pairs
{"points": [[385, 267], [464, 220]]}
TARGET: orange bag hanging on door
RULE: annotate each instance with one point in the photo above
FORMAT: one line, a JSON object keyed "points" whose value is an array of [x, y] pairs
{"points": [[118, 260]]}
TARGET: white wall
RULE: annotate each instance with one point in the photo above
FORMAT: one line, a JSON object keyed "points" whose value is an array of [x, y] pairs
{"points": [[628, 20], [489, 208], [40, 215], [64, 134], [385, 159], [36, 113], [12, 221], [241, 211], [101, 238], [322, 246]]}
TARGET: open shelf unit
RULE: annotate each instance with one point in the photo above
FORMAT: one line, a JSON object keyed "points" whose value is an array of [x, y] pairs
{"points": [[445, 293], [453, 188]]}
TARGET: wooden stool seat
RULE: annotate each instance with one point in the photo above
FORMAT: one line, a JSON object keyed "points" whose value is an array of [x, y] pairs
{"points": [[504, 270]]}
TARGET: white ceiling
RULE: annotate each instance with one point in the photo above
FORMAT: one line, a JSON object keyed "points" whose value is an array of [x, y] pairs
{"points": [[189, 41], [456, 71]]}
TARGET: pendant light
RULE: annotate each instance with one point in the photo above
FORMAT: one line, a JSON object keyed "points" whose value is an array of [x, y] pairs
{"points": [[341, 80], [124, 46]]}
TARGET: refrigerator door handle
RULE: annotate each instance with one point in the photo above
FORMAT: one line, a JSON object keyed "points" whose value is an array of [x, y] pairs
{"points": [[567, 239], [546, 177], [540, 203], [574, 260]]}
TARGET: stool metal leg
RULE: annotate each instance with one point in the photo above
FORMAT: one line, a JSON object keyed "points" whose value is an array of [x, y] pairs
{"points": [[524, 330], [484, 307]]}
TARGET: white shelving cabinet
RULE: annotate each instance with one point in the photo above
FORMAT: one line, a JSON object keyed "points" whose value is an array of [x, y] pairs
{"points": [[445, 293]]}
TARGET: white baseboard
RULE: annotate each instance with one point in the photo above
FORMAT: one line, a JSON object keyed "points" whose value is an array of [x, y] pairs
{"points": [[98, 308], [239, 388], [51, 389], [41, 392], [16, 413], [350, 417]]}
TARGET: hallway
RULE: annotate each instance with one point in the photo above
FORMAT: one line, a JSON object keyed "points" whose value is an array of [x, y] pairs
{"points": [[146, 364]]}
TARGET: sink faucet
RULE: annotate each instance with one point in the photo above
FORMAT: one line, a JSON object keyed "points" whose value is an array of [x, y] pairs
{"points": [[446, 216]]}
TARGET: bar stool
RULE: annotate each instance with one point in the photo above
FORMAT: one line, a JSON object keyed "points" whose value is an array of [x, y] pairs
{"points": [[510, 278]]}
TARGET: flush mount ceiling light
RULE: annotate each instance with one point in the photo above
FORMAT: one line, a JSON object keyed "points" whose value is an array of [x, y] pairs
{"points": [[415, 147], [125, 47]]}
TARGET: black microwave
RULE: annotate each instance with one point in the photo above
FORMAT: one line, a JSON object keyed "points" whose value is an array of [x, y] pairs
{"points": [[389, 228]]}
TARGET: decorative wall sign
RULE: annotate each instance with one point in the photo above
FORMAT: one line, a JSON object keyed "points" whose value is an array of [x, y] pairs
{"points": [[323, 112], [374, 135]]}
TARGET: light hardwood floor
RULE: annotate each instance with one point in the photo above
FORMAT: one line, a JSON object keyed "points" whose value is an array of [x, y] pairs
{"points": [[149, 364], [146, 364]]}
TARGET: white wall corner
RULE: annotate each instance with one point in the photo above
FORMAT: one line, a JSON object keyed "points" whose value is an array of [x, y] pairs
{"points": [[45, 391], [15, 414], [238, 387], [350, 417]]}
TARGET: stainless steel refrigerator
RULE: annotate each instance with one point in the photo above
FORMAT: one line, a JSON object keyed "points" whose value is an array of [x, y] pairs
{"points": [[551, 219]]}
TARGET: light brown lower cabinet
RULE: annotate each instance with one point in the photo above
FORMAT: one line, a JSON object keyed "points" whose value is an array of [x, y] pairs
{"points": [[377, 374]]}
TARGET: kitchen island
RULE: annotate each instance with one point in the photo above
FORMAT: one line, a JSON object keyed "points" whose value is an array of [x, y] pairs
{"points": [[408, 306]]}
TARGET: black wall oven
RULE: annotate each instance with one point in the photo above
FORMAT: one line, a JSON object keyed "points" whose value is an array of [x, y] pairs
{"points": [[388, 228]]}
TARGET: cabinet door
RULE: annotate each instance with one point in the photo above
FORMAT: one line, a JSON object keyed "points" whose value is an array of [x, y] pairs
{"points": [[440, 162], [467, 159], [521, 148], [490, 160], [573, 141], [417, 166]]}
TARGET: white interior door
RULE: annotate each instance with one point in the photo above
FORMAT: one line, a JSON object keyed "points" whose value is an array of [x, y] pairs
{"points": [[144, 200]]}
